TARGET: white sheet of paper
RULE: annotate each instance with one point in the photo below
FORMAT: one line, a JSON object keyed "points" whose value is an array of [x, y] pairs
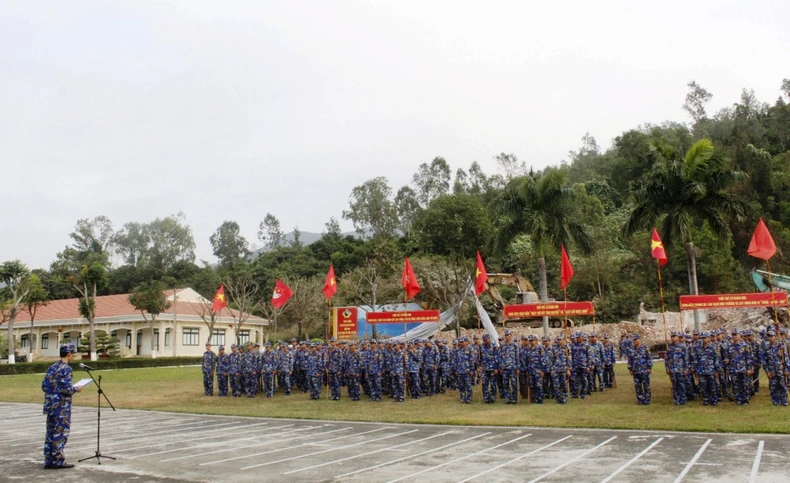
{"points": [[83, 382]]}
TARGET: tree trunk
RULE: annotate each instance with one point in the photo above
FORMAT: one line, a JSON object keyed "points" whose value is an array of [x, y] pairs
{"points": [[691, 263], [298, 330], [11, 357], [544, 291], [154, 334], [94, 357]]}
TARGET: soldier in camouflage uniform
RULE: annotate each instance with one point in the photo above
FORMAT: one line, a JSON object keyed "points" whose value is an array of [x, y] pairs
{"points": [[536, 365], [430, 368], [236, 380], [58, 390], [315, 371], [707, 368], [489, 366], [677, 367], [209, 365], [335, 368], [268, 367], [580, 368], [739, 362], [464, 370], [508, 367], [249, 367], [351, 367], [595, 360], [285, 368], [775, 362], [445, 366], [548, 384], [223, 371], [640, 365], [561, 370], [413, 363], [373, 364], [398, 371]]}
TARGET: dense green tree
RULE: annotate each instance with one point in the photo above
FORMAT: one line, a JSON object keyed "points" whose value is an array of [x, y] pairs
{"points": [[454, 225], [371, 209], [540, 207], [228, 244], [14, 275], [431, 180], [684, 190]]}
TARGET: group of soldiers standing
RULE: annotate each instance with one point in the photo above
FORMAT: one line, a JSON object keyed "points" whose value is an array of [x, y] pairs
{"points": [[512, 369], [715, 365]]}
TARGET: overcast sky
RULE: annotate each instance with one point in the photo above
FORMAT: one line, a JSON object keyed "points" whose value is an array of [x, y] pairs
{"points": [[229, 110]]}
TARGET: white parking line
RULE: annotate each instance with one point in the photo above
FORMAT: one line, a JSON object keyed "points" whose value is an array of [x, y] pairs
{"points": [[164, 434], [516, 459], [187, 448], [411, 456], [756, 465], [391, 448], [460, 459], [573, 460], [691, 463], [90, 434], [620, 469], [259, 443], [290, 447], [328, 450]]}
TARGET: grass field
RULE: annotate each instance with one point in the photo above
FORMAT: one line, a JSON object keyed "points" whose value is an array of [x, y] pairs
{"points": [[180, 389]]}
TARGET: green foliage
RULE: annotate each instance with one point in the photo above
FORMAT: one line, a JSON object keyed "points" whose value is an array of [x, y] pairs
{"points": [[105, 344], [454, 225], [40, 367]]}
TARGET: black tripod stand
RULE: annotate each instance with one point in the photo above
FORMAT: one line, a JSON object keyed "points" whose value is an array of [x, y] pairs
{"points": [[99, 395]]}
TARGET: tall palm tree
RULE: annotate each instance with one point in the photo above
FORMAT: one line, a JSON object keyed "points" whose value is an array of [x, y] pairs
{"points": [[540, 207], [687, 190]]}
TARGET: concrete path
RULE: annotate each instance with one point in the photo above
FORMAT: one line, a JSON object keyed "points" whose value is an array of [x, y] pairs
{"points": [[162, 447]]}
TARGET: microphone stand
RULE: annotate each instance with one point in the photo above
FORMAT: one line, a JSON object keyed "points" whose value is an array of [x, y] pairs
{"points": [[99, 394]]}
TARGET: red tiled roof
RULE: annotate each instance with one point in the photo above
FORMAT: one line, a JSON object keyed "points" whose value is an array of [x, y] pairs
{"points": [[109, 306]]}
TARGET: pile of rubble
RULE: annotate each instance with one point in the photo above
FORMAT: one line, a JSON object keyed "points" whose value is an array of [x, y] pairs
{"points": [[650, 326]]}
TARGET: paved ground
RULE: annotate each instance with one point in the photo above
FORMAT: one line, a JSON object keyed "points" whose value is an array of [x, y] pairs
{"points": [[164, 447]]}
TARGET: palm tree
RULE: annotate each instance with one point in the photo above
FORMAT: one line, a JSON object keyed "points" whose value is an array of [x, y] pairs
{"points": [[540, 207], [686, 191]]}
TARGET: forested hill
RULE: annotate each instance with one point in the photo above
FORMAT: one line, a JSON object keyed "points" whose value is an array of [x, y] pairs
{"points": [[601, 203]]}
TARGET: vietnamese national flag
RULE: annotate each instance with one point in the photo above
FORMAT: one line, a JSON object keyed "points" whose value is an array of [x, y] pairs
{"points": [[220, 302], [657, 249], [409, 281], [330, 285], [762, 244], [566, 269], [481, 276], [282, 293]]}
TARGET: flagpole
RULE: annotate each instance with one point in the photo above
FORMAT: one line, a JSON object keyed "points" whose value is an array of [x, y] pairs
{"points": [[664, 317]]}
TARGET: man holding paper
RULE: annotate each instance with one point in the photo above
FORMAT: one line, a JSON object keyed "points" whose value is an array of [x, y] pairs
{"points": [[58, 389]]}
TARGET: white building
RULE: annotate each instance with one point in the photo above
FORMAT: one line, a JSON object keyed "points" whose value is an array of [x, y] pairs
{"points": [[179, 331]]}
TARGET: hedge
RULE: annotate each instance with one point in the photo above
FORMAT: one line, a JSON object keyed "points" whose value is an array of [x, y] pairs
{"points": [[40, 367]]}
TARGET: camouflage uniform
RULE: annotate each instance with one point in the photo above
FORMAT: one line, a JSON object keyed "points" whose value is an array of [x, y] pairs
{"points": [[640, 364], [209, 365], [489, 365], [223, 371], [560, 369], [508, 367], [58, 390], [677, 366], [464, 368]]}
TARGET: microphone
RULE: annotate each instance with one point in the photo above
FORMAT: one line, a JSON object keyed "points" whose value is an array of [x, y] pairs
{"points": [[87, 368]]}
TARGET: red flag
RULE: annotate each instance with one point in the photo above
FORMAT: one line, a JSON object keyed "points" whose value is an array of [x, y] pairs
{"points": [[657, 249], [566, 269], [762, 244], [220, 302], [282, 293], [330, 285], [409, 281], [481, 276]]}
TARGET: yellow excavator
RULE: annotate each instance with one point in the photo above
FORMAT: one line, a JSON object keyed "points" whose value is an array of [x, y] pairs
{"points": [[525, 294]]}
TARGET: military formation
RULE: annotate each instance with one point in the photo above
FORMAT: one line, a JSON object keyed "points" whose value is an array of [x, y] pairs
{"points": [[577, 367], [715, 365]]}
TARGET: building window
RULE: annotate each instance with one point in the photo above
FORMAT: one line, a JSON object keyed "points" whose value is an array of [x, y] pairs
{"points": [[24, 341], [156, 339], [114, 333], [190, 337], [45, 341], [244, 336], [128, 339], [218, 337], [140, 338], [167, 337]]}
